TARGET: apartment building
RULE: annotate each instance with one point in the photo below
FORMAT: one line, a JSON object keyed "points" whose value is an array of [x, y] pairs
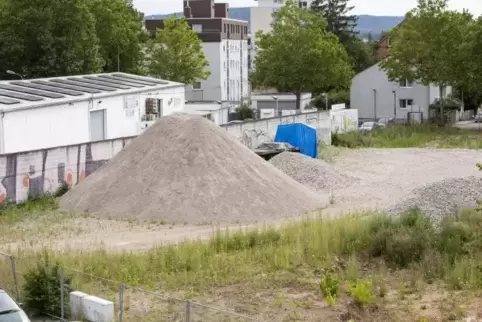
{"points": [[225, 45]]}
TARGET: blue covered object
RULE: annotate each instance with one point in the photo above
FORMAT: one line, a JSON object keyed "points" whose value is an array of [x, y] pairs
{"points": [[299, 135]]}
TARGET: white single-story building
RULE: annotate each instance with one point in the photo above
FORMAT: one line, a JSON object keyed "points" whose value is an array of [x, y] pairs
{"points": [[217, 112], [279, 104], [44, 113]]}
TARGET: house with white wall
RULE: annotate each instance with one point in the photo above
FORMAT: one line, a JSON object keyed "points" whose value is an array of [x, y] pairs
{"points": [[225, 46], [52, 112], [375, 96]]}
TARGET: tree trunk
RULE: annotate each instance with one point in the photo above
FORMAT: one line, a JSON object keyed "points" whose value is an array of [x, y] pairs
{"points": [[298, 102]]}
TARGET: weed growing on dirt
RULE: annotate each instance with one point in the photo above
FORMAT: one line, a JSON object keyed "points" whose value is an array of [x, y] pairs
{"points": [[298, 252], [406, 136], [362, 293], [329, 287]]}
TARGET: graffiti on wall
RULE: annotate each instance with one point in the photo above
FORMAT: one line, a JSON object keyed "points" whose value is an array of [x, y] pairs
{"points": [[35, 173], [253, 138]]}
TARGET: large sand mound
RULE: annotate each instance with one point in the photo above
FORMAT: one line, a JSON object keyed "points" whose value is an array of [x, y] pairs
{"points": [[313, 173], [185, 169]]}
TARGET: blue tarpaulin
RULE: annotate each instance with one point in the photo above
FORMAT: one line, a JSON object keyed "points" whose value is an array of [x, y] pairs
{"points": [[300, 136]]}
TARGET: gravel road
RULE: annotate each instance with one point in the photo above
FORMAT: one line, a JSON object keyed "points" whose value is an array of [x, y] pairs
{"points": [[390, 176]]}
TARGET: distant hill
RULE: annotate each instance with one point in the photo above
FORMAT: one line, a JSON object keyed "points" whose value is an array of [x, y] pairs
{"points": [[366, 23]]}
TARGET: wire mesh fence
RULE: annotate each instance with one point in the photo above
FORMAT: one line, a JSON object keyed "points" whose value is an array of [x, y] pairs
{"points": [[69, 288]]}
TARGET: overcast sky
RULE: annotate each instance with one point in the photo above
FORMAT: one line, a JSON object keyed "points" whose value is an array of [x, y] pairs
{"points": [[372, 7]]}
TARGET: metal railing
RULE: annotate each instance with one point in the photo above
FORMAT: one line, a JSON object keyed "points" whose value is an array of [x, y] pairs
{"points": [[130, 303]]}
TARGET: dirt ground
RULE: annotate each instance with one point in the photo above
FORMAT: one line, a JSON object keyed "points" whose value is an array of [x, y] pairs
{"points": [[386, 177]]}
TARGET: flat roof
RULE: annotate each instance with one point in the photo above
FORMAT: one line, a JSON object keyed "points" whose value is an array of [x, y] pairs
{"points": [[42, 92]]}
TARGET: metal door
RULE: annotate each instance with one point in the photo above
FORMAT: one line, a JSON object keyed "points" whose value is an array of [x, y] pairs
{"points": [[97, 125]]}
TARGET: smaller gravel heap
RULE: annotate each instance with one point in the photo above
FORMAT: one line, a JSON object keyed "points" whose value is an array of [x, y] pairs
{"points": [[443, 197], [313, 173]]}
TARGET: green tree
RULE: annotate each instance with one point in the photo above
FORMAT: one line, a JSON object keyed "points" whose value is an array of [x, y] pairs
{"points": [[440, 47], [45, 38], [362, 54], [119, 29], [342, 24], [298, 55], [338, 19], [245, 112], [176, 53]]}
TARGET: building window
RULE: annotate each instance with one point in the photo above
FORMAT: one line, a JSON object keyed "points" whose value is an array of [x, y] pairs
{"points": [[196, 85], [405, 103], [303, 4], [406, 84], [197, 28]]}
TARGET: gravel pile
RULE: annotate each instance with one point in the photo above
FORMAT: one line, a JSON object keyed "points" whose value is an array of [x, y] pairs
{"points": [[313, 173], [443, 197], [185, 169]]}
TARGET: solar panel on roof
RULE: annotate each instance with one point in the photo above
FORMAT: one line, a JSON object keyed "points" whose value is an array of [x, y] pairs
{"points": [[48, 88], [75, 88], [147, 79], [139, 82], [8, 101], [21, 96], [75, 83], [115, 81], [98, 82], [30, 91]]}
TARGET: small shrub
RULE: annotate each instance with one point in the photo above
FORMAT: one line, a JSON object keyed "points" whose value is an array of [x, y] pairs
{"points": [[329, 287], [42, 289], [403, 240], [362, 293], [461, 235], [61, 190]]}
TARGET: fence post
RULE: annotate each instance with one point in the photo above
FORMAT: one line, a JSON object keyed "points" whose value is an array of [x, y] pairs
{"points": [[121, 302], [14, 273], [62, 309], [188, 311]]}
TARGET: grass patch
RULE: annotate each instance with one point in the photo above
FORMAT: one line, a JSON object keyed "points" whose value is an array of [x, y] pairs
{"points": [[407, 136], [11, 212], [451, 253]]}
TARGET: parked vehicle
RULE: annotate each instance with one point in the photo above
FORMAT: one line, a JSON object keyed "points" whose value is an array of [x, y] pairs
{"points": [[9, 310], [478, 118], [385, 121], [368, 127], [268, 150]]}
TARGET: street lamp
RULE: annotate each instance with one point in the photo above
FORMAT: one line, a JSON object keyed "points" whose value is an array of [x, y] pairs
{"points": [[277, 106], [326, 100], [394, 104], [11, 72], [374, 105]]}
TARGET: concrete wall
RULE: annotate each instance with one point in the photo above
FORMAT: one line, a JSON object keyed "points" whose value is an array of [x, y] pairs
{"points": [[344, 120], [45, 170], [253, 133]]}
